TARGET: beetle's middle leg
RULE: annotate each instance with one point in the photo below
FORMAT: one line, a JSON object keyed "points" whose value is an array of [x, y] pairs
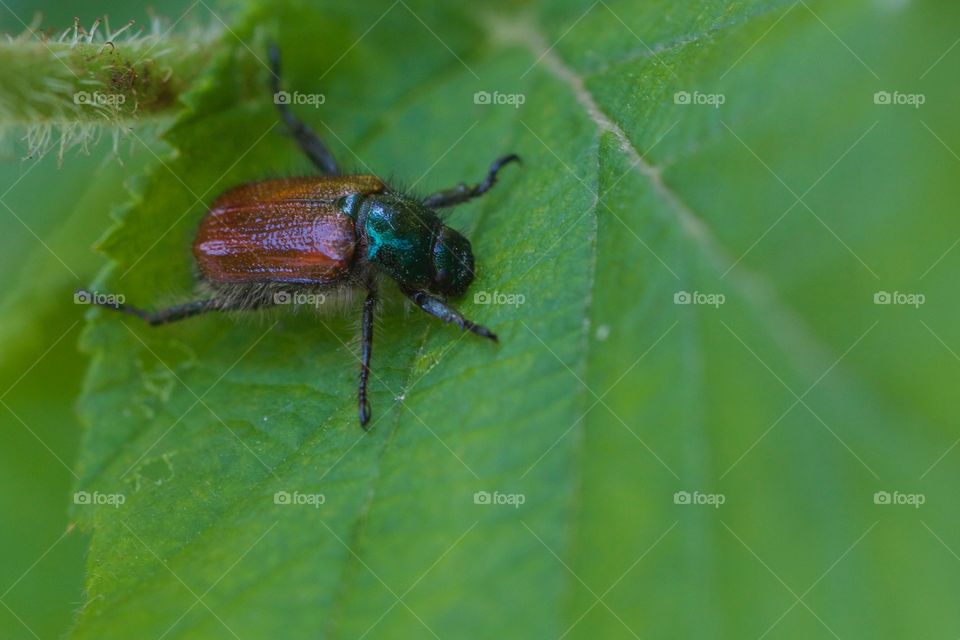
{"points": [[309, 142], [366, 349], [463, 192]]}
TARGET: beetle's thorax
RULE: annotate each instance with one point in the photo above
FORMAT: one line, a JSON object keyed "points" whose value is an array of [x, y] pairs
{"points": [[397, 235]]}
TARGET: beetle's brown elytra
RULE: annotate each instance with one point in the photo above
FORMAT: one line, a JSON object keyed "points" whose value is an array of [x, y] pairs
{"points": [[264, 239], [287, 230]]}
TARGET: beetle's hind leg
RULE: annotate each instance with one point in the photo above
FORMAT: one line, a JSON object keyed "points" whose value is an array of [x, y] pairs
{"points": [[309, 142], [463, 192], [163, 316], [440, 309]]}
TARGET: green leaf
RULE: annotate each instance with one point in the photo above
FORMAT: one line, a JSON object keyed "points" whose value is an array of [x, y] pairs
{"points": [[607, 404], [45, 237]]}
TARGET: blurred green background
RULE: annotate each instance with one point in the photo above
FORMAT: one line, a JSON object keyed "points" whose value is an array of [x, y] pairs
{"points": [[799, 400], [56, 213]]}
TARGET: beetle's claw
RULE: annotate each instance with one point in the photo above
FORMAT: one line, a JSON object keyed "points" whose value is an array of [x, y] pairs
{"points": [[364, 414], [482, 331]]}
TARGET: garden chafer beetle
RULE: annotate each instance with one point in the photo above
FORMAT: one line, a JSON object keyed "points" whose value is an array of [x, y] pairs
{"points": [[262, 242]]}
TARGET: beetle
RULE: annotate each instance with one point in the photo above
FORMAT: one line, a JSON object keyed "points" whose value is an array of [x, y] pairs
{"points": [[262, 241]]}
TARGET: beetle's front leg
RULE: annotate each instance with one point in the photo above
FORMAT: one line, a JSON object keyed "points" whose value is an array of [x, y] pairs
{"points": [[440, 309], [309, 142], [463, 192], [366, 349]]}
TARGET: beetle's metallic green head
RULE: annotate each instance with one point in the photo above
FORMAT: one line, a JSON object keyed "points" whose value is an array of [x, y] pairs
{"points": [[410, 243]]}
